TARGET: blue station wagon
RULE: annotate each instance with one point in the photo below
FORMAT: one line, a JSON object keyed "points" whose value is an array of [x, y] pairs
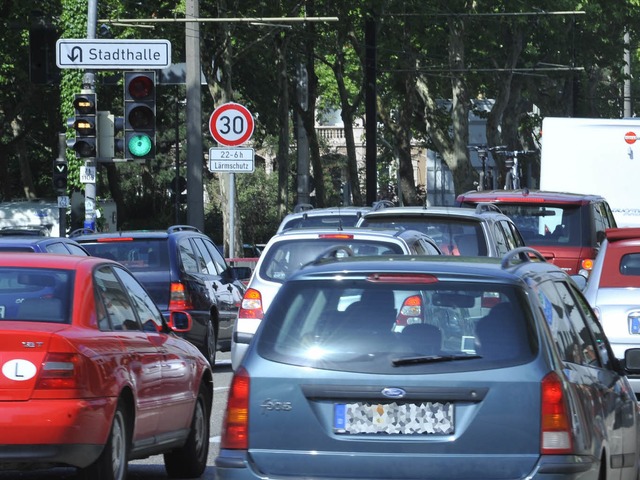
{"points": [[431, 368]]}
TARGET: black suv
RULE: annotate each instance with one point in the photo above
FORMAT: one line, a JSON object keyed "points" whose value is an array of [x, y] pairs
{"points": [[182, 269]]}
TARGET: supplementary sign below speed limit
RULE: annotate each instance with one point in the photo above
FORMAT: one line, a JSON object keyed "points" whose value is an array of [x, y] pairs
{"points": [[231, 160], [231, 124]]}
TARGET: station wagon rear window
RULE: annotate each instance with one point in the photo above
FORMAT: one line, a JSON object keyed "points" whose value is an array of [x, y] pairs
{"points": [[397, 327]]}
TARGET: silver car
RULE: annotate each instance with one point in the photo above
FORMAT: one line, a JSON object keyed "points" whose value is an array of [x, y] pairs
{"points": [[613, 290], [288, 251]]}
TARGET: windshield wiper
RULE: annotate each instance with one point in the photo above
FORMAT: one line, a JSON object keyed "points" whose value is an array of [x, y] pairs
{"points": [[397, 362]]}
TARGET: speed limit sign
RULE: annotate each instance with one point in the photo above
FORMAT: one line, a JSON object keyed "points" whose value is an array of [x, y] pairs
{"points": [[231, 124]]}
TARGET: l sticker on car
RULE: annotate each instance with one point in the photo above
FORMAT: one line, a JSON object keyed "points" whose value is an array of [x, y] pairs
{"points": [[19, 370]]}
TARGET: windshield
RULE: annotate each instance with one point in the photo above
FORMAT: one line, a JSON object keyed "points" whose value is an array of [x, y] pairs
{"points": [[35, 294], [147, 254], [368, 327], [285, 257], [546, 224], [454, 236]]}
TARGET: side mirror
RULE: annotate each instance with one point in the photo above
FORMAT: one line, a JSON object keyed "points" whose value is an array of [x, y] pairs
{"points": [[580, 281], [180, 322], [632, 360]]}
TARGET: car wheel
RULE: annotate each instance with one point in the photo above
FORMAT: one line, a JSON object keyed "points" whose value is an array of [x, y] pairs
{"points": [[190, 460], [210, 344], [112, 462]]}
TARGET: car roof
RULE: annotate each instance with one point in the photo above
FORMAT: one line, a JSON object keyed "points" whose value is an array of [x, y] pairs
{"points": [[481, 211], [525, 194], [50, 260], [621, 234], [347, 211], [139, 234], [500, 269], [356, 231]]}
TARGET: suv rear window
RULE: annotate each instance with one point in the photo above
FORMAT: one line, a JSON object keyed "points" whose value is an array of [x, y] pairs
{"points": [[547, 224], [397, 327], [147, 254], [451, 235], [286, 257]]}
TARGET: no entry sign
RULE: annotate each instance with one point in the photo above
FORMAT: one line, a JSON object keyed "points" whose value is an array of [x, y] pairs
{"points": [[231, 124]]}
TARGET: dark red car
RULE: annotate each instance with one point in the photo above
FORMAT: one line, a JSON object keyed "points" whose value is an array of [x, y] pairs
{"points": [[92, 375], [567, 228]]}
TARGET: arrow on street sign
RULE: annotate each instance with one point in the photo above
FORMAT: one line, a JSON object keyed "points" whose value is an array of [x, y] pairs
{"points": [[112, 53]]}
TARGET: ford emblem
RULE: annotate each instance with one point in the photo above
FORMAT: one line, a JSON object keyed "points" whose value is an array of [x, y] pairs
{"points": [[391, 392]]}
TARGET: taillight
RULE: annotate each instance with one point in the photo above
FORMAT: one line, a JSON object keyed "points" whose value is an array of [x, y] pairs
{"points": [[251, 306], [178, 298], [59, 371], [235, 426], [555, 422], [587, 264], [410, 312]]}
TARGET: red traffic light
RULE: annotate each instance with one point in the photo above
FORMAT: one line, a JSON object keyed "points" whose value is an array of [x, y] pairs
{"points": [[140, 87]]}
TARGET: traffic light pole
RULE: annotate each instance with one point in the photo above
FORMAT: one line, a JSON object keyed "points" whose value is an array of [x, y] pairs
{"points": [[62, 160], [88, 86]]}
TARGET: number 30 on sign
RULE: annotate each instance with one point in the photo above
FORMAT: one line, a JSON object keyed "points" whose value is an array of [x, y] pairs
{"points": [[231, 124]]}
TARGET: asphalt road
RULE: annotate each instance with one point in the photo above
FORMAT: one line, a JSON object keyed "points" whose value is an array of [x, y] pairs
{"points": [[152, 468]]}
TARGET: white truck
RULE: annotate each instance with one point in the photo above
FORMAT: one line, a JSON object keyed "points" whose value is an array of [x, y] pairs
{"points": [[594, 156]]}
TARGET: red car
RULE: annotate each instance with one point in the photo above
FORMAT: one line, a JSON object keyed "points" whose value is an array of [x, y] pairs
{"points": [[567, 228], [91, 375]]}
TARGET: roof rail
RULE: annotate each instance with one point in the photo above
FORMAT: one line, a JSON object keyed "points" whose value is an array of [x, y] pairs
{"points": [[81, 231], [382, 204], [302, 207], [484, 207], [523, 253], [180, 228]]}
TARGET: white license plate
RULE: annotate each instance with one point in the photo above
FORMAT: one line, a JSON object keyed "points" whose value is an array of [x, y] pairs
{"points": [[431, 418], [1, 311]]}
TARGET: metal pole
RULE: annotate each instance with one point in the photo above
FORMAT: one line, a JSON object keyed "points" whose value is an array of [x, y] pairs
{"points": [[232, 216], [195, 197], [62, 211], [88, 86]]}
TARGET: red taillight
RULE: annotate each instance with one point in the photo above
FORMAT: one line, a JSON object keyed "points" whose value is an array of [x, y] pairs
{"points": [[411, 311], [587, 264], [59, 371], [336, 236], [178, 298], [251, 306], [235, 427], [555, 421]]}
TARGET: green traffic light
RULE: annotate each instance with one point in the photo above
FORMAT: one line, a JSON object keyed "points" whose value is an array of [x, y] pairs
{"points": [[139, 145]]}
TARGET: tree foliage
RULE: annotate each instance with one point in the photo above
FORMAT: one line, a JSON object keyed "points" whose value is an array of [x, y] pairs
{"points": [[435, 59]]}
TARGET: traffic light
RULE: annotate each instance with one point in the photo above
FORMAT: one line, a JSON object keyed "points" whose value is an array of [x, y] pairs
{"points": [[139, 115], [60, 171], [85, 126]]}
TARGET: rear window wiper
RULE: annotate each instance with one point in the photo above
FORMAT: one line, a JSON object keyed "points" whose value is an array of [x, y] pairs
{"points": [[397, 362]]}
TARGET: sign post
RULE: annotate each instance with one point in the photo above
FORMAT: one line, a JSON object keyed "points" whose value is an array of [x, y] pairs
{"points": [[231, 124]]}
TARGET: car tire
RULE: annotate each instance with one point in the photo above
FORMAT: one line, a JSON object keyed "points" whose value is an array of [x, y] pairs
{"points": [[190, 460], [112, 462], [210, 344]]}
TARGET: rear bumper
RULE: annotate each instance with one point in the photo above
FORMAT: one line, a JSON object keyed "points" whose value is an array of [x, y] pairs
{"points": [[237, 465], [66, 432]]}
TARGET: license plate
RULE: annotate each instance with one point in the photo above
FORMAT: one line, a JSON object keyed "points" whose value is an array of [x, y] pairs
{"points": [[634, 324], [430, 418], [1, 311]]}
